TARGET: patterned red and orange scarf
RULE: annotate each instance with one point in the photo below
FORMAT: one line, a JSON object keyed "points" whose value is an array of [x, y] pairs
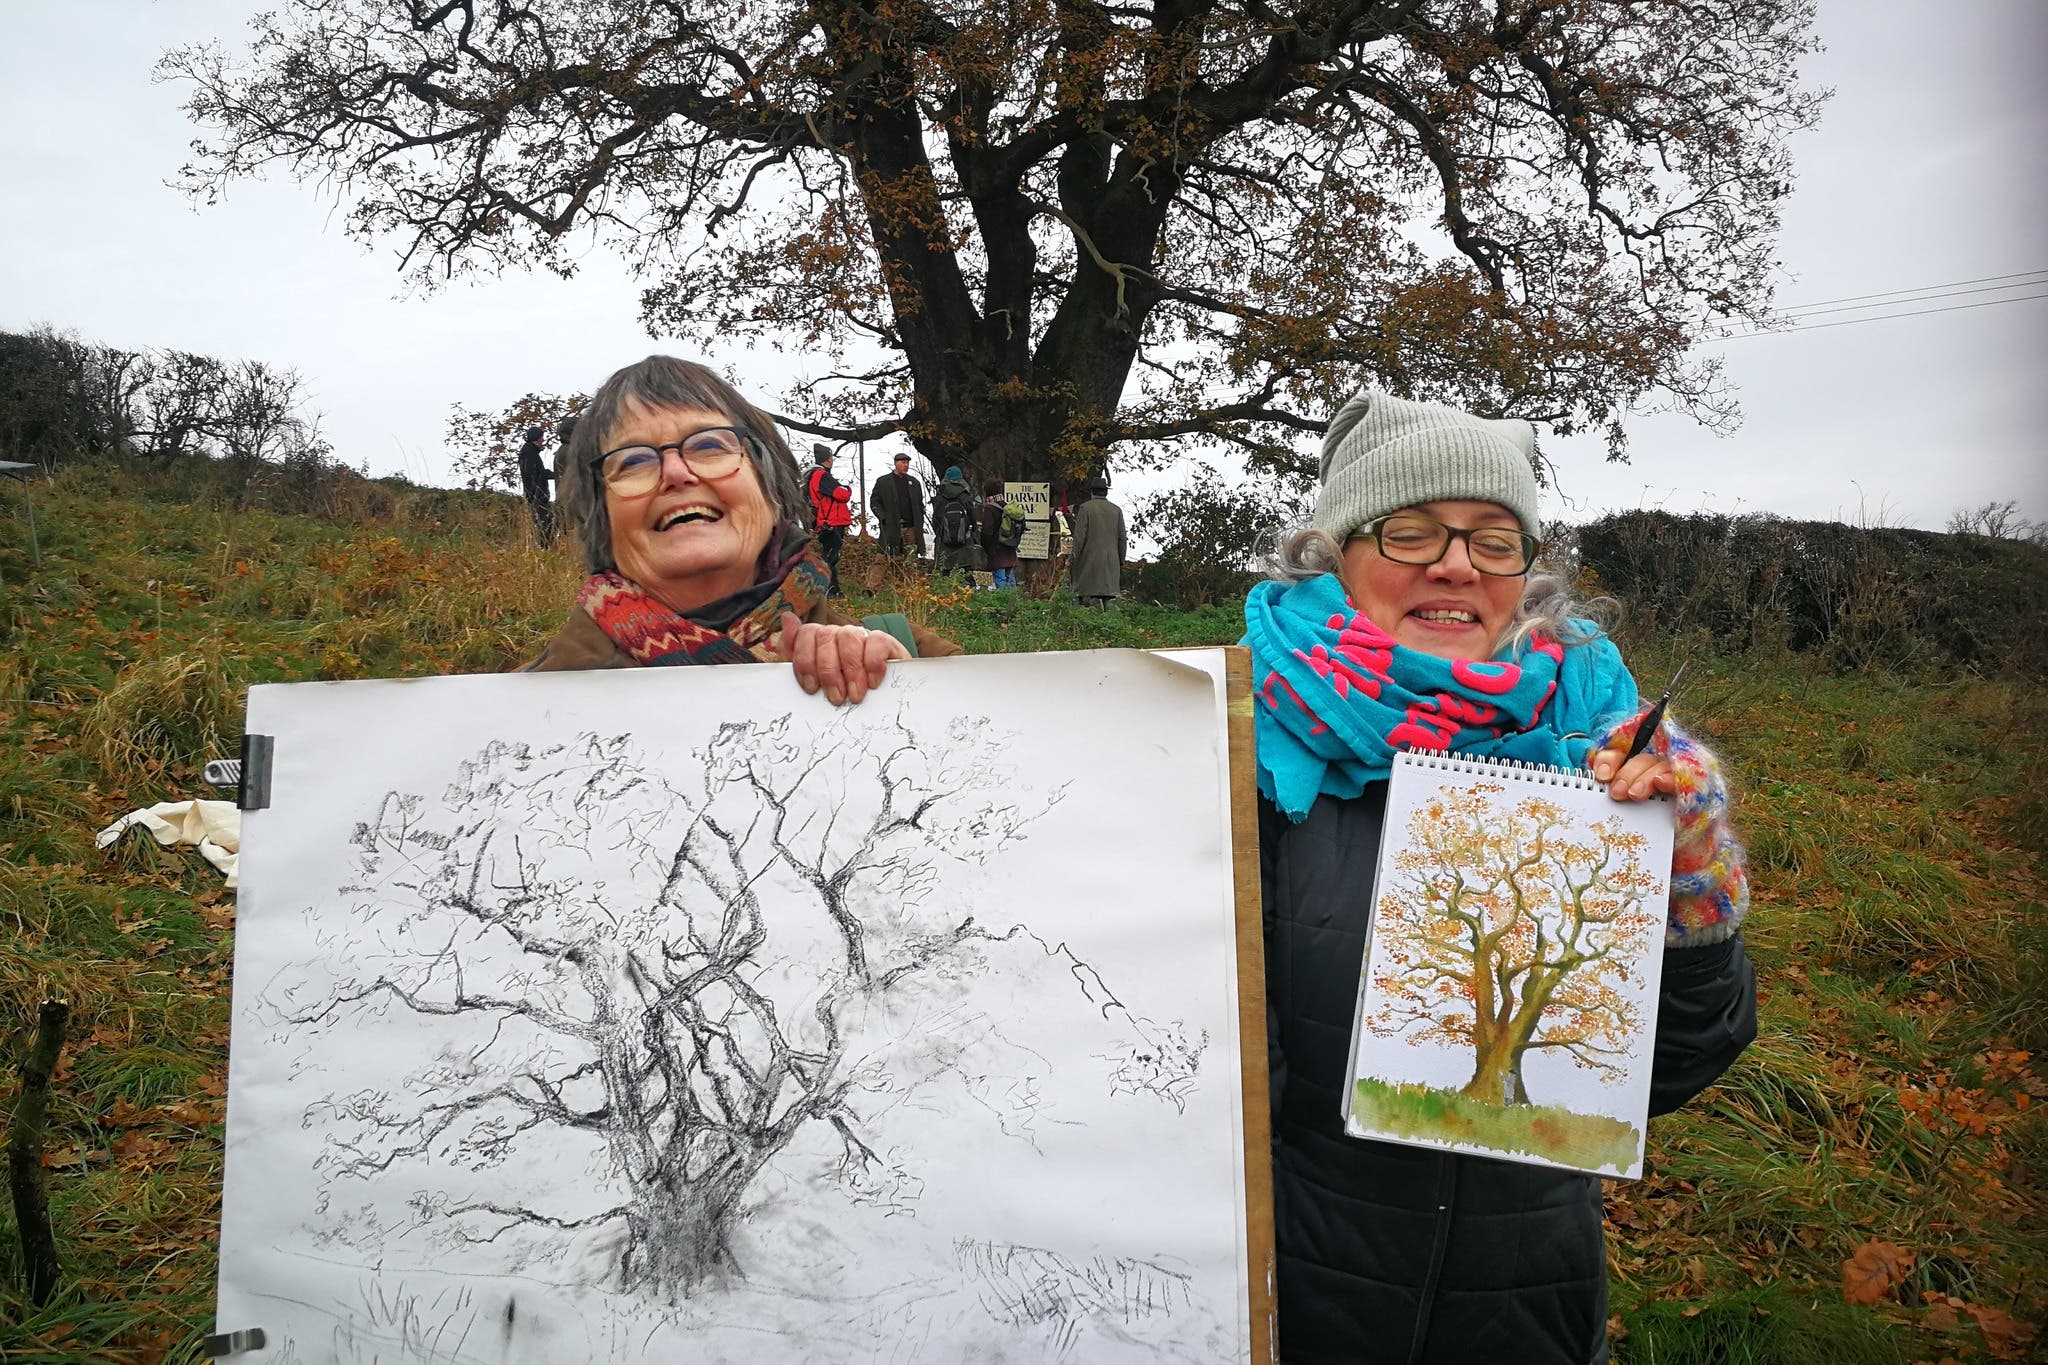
{"points": [[742, 629]]}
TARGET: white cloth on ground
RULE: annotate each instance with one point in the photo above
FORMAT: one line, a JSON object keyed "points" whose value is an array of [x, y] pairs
{"points": [[215, 826]]}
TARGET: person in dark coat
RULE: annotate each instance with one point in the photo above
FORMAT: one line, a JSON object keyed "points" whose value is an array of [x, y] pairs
{"points": [[1100, 547], [535, 480], [1407, 615], [897, 500], [1002, 557]]}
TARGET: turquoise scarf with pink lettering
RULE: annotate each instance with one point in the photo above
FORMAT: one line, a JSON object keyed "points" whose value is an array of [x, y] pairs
{"points": [[1337, 698]]}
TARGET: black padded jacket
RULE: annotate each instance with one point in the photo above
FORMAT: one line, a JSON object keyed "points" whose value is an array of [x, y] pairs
{"points": [[1391, 1253]]}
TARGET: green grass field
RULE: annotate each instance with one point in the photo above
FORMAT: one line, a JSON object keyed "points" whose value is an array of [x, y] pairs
{"points": [[1895, 827], [1588, 1141]]}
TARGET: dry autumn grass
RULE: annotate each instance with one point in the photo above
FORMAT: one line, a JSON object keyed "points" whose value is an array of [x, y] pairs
{"points": [[1862, 1187]]}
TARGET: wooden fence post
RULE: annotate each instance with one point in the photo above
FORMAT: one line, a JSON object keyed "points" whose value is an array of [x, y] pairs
{"points": [[25, 1152]]}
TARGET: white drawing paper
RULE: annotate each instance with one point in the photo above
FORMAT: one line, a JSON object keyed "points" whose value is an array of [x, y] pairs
{"points": [[670, 1014], [1507, 1004]]}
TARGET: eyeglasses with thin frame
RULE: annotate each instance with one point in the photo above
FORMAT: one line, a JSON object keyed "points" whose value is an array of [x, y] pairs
{"points": [[1411, 538], [713, 453]]}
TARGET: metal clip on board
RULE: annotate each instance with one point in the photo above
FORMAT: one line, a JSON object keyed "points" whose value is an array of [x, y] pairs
{"points": [[249, 775], [221, 1344]]}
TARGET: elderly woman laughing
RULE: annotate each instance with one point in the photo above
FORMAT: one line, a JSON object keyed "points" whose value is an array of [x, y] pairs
{"points": [[686, 500]]}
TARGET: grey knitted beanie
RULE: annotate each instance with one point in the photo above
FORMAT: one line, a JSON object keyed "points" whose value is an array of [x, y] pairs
{"points": [[1383, 453]]}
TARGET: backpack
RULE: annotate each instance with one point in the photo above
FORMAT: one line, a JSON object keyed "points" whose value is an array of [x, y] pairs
{"points": [[815, 489], [956, 522], [1010, 530]]}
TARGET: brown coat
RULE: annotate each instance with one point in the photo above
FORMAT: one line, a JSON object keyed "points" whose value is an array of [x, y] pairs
{"points": [[582, 643]]}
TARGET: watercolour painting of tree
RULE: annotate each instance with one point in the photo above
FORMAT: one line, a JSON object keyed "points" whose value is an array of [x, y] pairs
{"points": [[680, 1016], [1509, 993]]}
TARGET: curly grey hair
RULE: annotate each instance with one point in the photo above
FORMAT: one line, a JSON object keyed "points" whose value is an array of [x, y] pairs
{"points": [[662, 381], [1548, 604]]}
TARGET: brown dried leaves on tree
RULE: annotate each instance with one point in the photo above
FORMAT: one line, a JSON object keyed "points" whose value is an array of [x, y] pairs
{"points": [[1026, 232], [486, 444]]}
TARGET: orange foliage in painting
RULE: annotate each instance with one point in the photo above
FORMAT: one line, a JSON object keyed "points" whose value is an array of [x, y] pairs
{"points": [[1513, 929]]}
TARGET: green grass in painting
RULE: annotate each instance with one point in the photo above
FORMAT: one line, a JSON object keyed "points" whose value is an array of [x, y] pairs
{"points": [[1587, 1141]]}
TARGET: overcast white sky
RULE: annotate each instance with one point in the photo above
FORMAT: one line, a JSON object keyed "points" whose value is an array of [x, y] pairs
{"points": [[1928, 170]]}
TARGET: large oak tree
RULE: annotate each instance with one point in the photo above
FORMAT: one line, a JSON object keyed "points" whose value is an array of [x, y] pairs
{"points": [[1024, 232]]}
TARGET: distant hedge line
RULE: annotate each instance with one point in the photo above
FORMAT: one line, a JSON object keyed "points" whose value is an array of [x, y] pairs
{"points": [[1862, 597]]}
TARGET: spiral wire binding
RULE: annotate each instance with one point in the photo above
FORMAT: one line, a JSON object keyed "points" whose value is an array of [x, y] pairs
{"points": [[1519, 770]]}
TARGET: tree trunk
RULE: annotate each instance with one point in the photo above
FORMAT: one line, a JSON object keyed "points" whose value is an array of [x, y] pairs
{"points": [[25, 1153], [1496, 1076], [1512, 1086], [1529, 1018], [680, 1240]]}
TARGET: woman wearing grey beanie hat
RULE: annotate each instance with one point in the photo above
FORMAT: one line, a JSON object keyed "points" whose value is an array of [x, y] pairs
{"points": [[1407, 615]]}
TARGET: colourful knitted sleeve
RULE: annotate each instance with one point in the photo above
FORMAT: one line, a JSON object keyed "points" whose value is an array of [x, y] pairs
{"points": [[1709, 885]]}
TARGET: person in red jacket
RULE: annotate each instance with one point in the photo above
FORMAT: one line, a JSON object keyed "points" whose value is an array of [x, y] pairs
{"points": [[830, 515]]}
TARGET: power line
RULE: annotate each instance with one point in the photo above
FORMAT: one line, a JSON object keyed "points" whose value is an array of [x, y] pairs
{"points": [[1881, 317], [1814, 312], [1925, 288]]}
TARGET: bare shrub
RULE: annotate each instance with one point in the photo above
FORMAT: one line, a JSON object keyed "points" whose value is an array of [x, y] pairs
{"points": [[1855, 597]]}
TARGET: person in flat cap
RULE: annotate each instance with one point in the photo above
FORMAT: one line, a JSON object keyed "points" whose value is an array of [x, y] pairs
{"points": [[1410, 613], [897, 500]]}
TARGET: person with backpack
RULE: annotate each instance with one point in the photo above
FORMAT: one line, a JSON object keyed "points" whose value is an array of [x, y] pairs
{"points": [[831, 511], [1002, 531], [956, 524]]}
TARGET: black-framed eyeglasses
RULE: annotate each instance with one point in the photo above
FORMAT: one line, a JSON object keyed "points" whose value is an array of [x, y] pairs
{"points": [[713, 453], [1412, 538]]}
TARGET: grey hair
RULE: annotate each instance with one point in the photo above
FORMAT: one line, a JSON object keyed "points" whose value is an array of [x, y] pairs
{"points": [[1548, 604], [662, 381]]}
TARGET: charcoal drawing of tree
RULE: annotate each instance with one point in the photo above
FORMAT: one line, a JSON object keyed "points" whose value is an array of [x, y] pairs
{"points": [[1512, 929], [1028, 232], [687, 971]]}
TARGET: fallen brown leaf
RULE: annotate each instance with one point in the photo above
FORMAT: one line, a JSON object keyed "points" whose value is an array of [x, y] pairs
{"points": [[192, 1113], [1941, 1318], [1871, 1272], [135, 1148], [66, 1157], [2004, 1335]]}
